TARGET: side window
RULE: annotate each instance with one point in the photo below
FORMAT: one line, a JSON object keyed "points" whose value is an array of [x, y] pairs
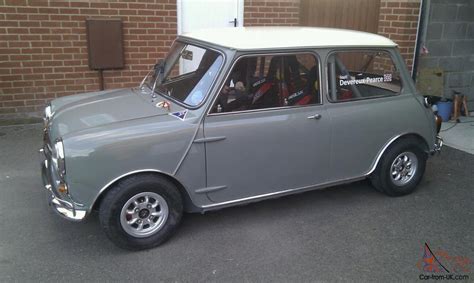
{"points": [[259, 82], [355, 75]]}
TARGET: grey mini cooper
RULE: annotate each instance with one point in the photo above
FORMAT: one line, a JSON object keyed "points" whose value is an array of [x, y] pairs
{"points": [[233, 116]]}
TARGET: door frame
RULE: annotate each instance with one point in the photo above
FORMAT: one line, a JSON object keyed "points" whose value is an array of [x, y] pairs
{"points": [[179, 6], [322, 104]]}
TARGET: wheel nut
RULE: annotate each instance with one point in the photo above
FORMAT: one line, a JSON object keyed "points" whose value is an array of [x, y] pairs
{"points": [[136, 209], [148, 206], [139, 221]]}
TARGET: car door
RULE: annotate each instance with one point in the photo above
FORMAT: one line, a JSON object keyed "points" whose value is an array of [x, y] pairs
{"points": [[366, 105], [273, 148]]}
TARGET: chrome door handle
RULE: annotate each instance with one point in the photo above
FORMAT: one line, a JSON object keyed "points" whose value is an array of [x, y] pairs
{"points": [[315, 116]]}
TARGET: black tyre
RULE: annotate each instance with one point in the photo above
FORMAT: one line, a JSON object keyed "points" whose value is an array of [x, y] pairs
{"points": [[141, 211], [401, 168]]}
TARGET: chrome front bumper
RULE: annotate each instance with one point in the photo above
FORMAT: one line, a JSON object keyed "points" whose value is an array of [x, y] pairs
{"points": [[63, 205]]}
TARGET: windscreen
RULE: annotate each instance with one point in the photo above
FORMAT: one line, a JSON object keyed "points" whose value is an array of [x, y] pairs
{"points": [[187, 73]]}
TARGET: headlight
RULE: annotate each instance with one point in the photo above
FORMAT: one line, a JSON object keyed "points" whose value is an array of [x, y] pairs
{"points": [[58, 158]]}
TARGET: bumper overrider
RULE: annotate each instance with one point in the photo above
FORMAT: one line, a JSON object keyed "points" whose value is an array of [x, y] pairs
{"points": [[61, 202], [438, 145]]}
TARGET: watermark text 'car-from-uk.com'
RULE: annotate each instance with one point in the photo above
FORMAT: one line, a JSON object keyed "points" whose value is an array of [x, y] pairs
{"points": [[440, 265]]}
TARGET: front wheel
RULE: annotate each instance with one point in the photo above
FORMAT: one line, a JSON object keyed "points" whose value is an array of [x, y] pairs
{"points": [[141, 212], [401, 168]]}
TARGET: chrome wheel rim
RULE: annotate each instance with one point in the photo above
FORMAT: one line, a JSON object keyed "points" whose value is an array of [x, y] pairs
{"points": [[404, 168], [144, 214]]}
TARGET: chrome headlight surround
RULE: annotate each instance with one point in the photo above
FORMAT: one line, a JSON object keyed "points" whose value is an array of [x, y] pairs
{"points": [[58, 158]]}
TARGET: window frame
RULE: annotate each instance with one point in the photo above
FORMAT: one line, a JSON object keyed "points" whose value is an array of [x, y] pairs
{"points": [[364, 49], [270, 53], [215, 80]]}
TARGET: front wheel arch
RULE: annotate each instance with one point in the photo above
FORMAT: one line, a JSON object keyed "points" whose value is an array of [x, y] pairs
{"points": [[188, 204]]}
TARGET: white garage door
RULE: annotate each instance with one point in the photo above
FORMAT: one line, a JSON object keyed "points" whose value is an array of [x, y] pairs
{"points": [[201, 14]]}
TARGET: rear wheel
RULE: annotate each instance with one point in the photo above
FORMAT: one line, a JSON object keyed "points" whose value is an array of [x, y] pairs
{"points": [[141, 212], [401, 168]]}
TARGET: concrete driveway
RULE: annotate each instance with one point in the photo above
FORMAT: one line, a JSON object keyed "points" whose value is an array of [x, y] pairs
{"points": [[348, 233], [459, 135]]}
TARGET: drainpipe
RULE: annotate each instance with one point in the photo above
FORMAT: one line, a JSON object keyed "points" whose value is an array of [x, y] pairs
{"points": [[420, 34]]}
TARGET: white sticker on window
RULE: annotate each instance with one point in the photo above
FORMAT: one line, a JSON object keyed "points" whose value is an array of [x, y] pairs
{"points": [[385, 78]]}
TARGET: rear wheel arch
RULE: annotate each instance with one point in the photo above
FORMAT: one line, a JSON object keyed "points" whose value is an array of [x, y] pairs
{"points": [[188, 204], [417, 140], [401, 166]]}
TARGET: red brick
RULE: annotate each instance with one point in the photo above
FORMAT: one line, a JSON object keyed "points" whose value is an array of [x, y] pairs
{"points": [[37, 3], [99, 5], [411, 18], [89, 11], [71, 11], [410, 4], [69, 24], [48, 10], [53, 76], [16, 17], [17, 30], [7, 10], [403, 11], [40, 30], [30, 50], [79, 4], [38, 17], [108, 12], [30, 24], [6, 97], [20, 57], [137, 6], [51, 37], [18, 44], [43, 82], [400, 24], [33, 77], [391, 17], [118, 5], [59, 3], [41, 57]]}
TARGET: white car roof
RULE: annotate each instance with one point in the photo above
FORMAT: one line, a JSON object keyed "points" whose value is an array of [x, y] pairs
{"points": [[252, 38]]}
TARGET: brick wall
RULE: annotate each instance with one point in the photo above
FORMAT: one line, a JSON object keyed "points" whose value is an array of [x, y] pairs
{"points": [[450, 43], [398, 21], [43, 49], [271, 12]]}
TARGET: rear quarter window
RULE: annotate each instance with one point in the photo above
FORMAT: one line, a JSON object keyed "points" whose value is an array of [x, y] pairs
{"points": [[356, 75]]}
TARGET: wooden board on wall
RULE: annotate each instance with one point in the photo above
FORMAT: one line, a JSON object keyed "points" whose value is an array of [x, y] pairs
{"points": [[360, 15]]}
